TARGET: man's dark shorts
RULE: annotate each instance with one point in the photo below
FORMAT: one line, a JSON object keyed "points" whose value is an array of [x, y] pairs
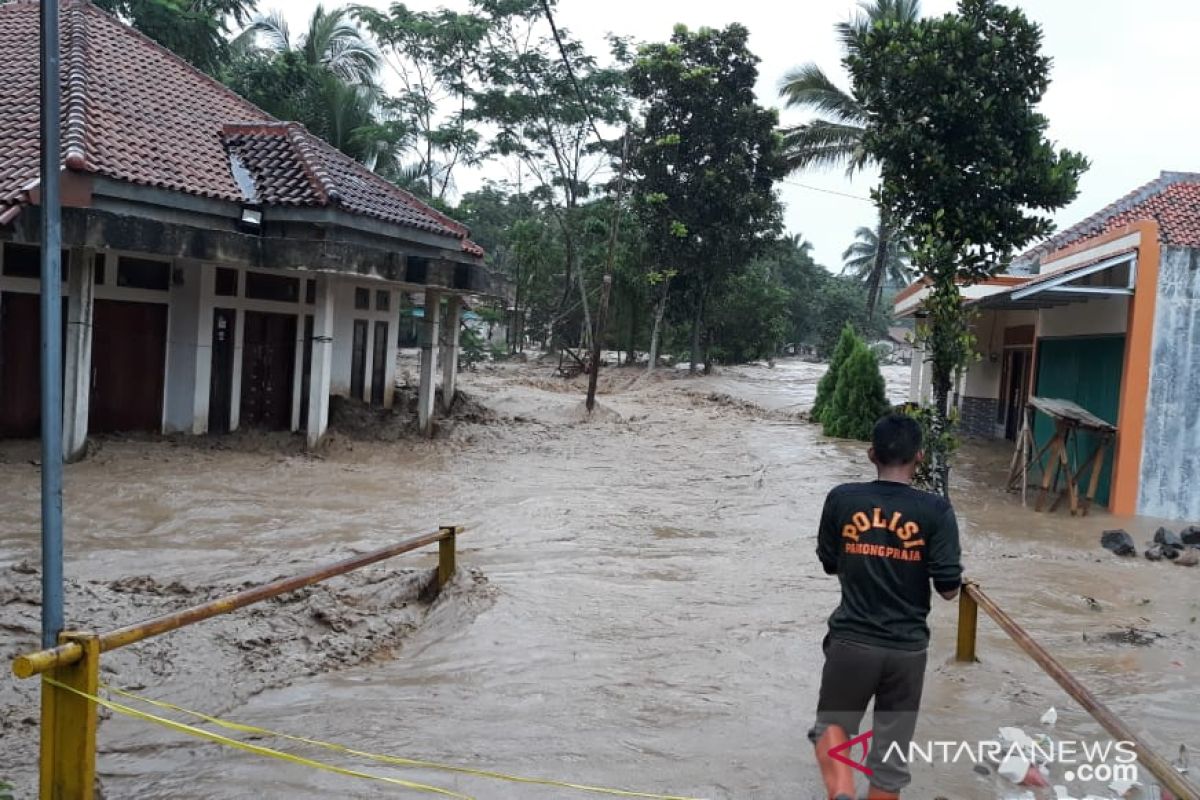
{"points": [[854, 673]]}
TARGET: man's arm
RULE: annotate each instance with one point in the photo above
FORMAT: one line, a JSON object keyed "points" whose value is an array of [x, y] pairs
{"points": [[827, 537], [945, 557]]}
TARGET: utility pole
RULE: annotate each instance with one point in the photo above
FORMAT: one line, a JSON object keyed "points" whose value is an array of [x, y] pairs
{"points": [[51, 309]]}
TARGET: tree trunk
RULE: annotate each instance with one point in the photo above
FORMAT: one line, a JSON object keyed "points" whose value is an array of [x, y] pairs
{"points": [[635, 309], [883, 235], [657, 329], [697, 322]]}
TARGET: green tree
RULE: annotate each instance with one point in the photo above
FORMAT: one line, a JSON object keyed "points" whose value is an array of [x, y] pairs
{"points": [[863, 258], [545, 95], [966, 167], [835, 137], [827, 386], [324, 79], [749, 316], [860, 398], [435, 55], [195, 30], [706, 160]]}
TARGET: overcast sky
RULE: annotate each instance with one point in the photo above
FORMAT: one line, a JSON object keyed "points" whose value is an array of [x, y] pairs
{"points": [[1124, 92]]}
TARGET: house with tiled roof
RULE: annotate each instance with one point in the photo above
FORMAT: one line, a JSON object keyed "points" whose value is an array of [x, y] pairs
{"points": [[1106, 314], [224, 269]]}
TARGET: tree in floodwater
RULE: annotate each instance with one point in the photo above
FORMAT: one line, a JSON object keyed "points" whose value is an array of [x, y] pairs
{"points": [[827, 386], [860, 398], [952, 121], [705, 164], [533, 78]]}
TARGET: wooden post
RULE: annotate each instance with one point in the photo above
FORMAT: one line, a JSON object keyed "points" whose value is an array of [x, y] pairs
{"points": [[447, 557], [968, 623], [68, 745]]}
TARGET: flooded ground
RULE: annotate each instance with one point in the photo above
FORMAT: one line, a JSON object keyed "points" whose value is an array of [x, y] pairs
{"points": [[647, 609]]}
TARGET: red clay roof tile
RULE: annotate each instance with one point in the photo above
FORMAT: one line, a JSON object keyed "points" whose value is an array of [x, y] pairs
{"points": [[135, 112], [1172, 200]]}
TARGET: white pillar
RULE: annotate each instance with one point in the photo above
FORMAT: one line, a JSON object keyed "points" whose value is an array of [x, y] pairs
{"points": [[389, 386], [206, 276], [450, 351], [321, 370], [429, 348], [77, 368]]}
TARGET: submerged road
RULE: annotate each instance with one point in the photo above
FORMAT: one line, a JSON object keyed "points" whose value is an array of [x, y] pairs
{"points": [[654, 611]]}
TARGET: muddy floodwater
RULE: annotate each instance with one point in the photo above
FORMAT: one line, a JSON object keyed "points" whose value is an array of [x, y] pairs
{"points": [[638, 605]]}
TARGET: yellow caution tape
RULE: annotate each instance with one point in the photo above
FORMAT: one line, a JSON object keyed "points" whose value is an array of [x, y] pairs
{"points": [[191, 730], [385, 759]]}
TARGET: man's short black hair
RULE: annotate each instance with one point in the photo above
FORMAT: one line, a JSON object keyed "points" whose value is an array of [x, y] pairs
{"points": [[896, 439]]}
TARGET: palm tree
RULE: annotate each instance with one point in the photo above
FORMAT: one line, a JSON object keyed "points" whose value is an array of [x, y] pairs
{"points": [[835, 137], [324, 79], [861, 257], [332, 43]]}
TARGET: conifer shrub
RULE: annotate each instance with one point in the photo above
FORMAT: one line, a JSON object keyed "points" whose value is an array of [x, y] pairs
{"points": [[827, 386], [860, 398]]}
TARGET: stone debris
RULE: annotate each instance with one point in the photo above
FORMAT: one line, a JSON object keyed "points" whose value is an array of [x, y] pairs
{"points": [[1119, 542]]}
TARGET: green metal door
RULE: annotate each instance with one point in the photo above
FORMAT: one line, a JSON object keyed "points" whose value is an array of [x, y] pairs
{"points": [[1087, 371]]}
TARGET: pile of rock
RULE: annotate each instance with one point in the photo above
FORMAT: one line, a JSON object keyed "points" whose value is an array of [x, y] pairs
{"points": [[1183, 547]]}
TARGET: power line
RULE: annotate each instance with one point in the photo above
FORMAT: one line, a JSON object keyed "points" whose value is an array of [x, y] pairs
{"points": [[828, 191]]}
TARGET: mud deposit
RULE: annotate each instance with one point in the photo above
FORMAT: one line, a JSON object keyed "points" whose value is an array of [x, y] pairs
{"points": [[651, 617]]}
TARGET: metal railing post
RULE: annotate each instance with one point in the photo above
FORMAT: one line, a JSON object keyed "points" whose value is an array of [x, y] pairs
{"points": [[68, 744], [447, 557], [968, 623]]}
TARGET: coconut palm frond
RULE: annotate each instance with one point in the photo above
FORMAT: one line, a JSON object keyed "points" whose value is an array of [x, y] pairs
{"points": [[810, 88], [821, 144]]}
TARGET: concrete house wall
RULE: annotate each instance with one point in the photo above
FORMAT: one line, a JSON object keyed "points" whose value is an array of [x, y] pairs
{"points": [[1170, 470]]}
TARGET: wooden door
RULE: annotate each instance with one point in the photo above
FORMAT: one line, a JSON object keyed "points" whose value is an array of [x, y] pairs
{"points": [[20, 360], [268, 367], [220, 387], [129, 350], [358, 361], [379, 363]]}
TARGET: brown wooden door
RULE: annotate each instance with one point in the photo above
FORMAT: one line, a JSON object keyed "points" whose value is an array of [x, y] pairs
{"points": [[220, 386], [268, 367], [379, 363], [358, 360], [129, 349], [20, 380]]}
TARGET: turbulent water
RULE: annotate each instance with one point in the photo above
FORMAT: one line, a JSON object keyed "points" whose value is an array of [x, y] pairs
{"points": [[652, 612]]}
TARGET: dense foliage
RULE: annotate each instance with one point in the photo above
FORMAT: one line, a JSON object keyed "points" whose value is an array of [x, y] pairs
{"points": [[967, 172], [827, 386]]}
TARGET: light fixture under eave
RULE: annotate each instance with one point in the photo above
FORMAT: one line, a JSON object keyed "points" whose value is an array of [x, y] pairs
{"points": [[251, 219]]}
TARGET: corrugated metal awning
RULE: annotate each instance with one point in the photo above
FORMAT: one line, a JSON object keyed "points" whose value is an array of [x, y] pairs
{"points": [[1072, 285]]}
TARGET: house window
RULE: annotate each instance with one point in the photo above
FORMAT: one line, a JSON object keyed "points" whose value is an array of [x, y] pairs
{"points": [[261, 286], [24, 261], [383, 300], [362, 299], [310, 292], [142, 273], [227, 282], [98, 269]]}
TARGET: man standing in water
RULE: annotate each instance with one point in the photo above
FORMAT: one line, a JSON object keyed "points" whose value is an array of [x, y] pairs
{"points": [[886, 542]]}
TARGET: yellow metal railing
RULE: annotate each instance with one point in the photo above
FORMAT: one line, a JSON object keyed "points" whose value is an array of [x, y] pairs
{"points": [[71, 671], [973, 598]]}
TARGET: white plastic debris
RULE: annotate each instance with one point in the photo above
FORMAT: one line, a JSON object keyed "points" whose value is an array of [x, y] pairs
{"points": [[1050, 717], [1014, 767], [1122, 786]]}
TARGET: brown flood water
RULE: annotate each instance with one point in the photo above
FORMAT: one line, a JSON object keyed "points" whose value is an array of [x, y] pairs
{"points": [[653, 611]]}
